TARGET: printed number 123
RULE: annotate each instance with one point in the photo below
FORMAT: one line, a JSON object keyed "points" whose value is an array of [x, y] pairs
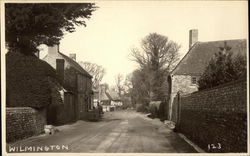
{"points": [[214, 146]]}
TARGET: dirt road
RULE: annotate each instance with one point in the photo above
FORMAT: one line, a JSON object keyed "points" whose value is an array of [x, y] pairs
{"points": [[118, 132]]}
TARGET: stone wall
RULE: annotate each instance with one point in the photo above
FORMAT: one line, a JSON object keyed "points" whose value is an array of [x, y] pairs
{"points": [[181, 83], [24, 122], [215, 117]]}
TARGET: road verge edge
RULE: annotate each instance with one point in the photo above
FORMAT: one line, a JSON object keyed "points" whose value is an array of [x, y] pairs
{"points": [[196, 147]]}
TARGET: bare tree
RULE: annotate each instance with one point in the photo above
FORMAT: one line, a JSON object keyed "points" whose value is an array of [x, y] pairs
{"points": [[95, 70], [128, 83], [157, 52], [156, 57], [119, 83]]}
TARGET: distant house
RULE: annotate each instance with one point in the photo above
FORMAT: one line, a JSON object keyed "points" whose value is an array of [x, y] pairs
{"points": [[109, 99], [76, 82], [114, 98], [103, 97], [186, 74]]}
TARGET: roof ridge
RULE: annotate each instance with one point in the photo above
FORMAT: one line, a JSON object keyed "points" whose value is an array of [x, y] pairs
{"points": [[108, 95], [222, 40], [77, 64], [201, 42], [44, 57], [197, 56]]}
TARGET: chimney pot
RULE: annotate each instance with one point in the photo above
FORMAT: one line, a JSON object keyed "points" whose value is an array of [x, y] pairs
{"points": [[73, 56], [193, 37], [53, 49]]}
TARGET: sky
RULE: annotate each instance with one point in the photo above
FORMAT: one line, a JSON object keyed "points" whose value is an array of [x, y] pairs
{"points": [[116, 27]]}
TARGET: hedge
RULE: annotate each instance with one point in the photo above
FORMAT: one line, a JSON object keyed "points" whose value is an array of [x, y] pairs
{"points": [[27, 81]]}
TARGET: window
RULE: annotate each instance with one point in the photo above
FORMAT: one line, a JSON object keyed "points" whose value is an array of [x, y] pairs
{"points": [[194, 80]]}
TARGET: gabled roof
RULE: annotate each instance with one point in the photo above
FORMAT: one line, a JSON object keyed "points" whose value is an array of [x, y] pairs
{"points": [[75, 65], [103, 96], [197, 58], [113, 95]]}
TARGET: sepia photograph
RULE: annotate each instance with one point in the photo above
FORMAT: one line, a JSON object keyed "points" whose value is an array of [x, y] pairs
{"points": [[124, 77]]}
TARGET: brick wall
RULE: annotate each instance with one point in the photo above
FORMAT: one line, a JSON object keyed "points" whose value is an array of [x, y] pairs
{"points": [[23, 122], [217, 115]]}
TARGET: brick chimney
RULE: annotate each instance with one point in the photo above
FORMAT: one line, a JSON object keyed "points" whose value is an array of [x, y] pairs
{"points": [[73, 56], [52, 50], [60, 69], [193, 37]]}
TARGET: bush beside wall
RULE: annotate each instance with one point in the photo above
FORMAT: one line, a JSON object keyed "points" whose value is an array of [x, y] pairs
{"points": [[24, 122], [27, 82], [217, 115]]}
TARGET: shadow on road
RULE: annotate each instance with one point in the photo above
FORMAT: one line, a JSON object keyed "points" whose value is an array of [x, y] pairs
{"points": [[109, 120]]}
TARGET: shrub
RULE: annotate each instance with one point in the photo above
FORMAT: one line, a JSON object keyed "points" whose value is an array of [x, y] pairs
{"points": [[223, 68], [141, 108], [27, 81]]}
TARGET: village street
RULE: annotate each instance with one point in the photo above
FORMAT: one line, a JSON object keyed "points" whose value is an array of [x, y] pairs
{"points": [[118, 132]]}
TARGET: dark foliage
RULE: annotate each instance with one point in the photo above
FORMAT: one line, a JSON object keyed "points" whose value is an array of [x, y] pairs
{"points": [[140, 90], [223, 68], [142, 108], [27, 81], [30, 24]]}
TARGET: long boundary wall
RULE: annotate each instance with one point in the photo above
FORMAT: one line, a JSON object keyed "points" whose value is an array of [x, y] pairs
{"points": [[24, 122], [215, 119]]}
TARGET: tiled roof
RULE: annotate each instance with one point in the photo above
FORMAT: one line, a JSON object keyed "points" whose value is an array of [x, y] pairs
{"points": [[75, 65], [104, 97], [113, 95], [197, 58]]}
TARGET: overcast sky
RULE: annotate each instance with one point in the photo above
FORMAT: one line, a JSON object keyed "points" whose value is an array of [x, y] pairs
{"points": [[116, 27]]}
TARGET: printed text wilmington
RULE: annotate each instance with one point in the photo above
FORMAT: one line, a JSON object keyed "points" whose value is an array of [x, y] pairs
{"points": [[47, 148]]}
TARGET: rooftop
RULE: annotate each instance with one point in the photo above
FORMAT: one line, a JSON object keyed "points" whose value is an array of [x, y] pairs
{"points": [[75, 65], [197, 58]]}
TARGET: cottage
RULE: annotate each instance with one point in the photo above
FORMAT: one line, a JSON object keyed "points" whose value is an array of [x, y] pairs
{"points": [[188, 71], [76, 82], [109, 98], [114, 98], [103, 97]]}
